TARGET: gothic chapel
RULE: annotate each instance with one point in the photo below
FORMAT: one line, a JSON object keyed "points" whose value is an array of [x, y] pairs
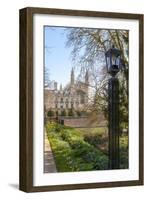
{"points": [[74, 96]]}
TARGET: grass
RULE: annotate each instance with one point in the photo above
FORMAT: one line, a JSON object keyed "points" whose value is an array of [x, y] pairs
{"points": [[72, 152], [98, 137], [93, 130], [83, 149]]}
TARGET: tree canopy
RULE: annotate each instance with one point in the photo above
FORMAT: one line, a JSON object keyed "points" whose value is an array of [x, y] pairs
{"points": [[88, 52]]}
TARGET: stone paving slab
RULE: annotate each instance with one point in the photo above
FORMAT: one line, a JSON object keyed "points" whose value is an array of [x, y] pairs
{"points": [[49, 162]]}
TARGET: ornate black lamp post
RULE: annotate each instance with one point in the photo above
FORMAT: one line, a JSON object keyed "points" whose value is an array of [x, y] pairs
{"points": [[113, 67]]}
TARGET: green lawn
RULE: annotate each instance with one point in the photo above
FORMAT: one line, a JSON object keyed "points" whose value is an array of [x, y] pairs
{"points": [[83, 149], [98, 137]]}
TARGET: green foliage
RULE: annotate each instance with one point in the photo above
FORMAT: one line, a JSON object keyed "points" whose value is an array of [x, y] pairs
{"points": [[95, 136], [124, 152], [71, 152], [80, 150], [123, 106], [98, 137], [62, 153], [53, 127], [78, 113], [70, 112], [50, 113], [94, 139], [57, 113], [63, 113]]}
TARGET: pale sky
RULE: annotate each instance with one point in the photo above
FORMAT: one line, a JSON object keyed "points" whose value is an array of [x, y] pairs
{"points": [[57, 56]]}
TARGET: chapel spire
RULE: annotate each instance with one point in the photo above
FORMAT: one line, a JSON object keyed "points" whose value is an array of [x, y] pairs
{"points": [[87, 77], [61, 87], [72, 76]]}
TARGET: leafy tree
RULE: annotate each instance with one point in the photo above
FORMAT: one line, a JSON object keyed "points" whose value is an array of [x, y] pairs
{"points": [[70, 112], [57, 113], [63, 113], [50, 113]]}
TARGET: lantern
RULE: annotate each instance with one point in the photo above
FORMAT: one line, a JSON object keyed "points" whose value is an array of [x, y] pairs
{"points": [[113, 60]]}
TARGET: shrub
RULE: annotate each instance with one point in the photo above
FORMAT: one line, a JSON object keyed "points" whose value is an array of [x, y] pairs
{"points": [[50, 113], [63, 113], [54, 127], [124, 152], [84, 150], [71, 152], [101, 162], [93, 139], [70, 112], [78, 113], [62, 152]]}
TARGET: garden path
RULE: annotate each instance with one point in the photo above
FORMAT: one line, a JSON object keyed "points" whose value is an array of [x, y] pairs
{"points": [[49, 162]]}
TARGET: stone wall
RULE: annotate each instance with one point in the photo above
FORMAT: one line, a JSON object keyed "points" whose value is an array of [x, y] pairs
{"points": [[80, 122], [76, 122]]}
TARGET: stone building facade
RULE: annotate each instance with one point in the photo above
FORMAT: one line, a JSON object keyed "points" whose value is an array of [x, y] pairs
{"points": [[70, 100]]}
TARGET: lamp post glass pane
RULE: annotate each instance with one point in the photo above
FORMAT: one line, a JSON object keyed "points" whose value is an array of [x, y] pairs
{"points": [[108, 63], [118, 61], [113, 59]]}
